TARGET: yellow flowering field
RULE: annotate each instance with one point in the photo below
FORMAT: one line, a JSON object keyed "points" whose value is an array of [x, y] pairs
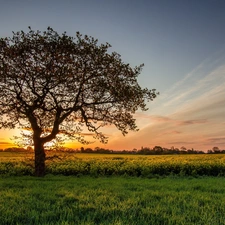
{"points": [[79, 164]]}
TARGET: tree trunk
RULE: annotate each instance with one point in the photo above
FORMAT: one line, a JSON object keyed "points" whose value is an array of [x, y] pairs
{"points": [[39, 158]]}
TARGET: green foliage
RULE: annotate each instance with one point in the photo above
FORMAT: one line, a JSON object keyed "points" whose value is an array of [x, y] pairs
{"points": [[15, 168], [64, 200]]}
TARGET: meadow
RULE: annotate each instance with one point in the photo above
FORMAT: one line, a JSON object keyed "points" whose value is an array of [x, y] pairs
{"points": [[61, 200], [90, 189]]}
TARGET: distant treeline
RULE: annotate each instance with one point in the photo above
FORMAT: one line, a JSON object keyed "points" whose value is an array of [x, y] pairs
{"points": [[157, 150]]}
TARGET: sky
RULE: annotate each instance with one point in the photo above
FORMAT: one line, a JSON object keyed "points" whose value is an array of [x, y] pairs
{"points": [[181, 43]]}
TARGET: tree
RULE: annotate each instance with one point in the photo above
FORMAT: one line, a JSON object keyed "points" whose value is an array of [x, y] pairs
{"points": [[216, 149], [55, 84], [183, 148], [158, 149]]}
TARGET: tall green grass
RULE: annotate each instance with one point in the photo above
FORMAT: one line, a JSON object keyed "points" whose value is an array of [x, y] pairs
{"points": [[60, 200]]}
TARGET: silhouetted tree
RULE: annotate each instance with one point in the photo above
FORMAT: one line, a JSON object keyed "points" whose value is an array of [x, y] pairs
{"points": [[158, 149], [183, 148], [216, 150], [55, 84]]}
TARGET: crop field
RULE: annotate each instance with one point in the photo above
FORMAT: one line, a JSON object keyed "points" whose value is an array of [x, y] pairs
{"points": [[69, 200], [78, 164], [92, 189]]}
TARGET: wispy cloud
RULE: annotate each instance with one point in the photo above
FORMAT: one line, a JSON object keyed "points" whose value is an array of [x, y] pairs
{"points": [[158, 118], [165, 119], [204, 82], [182, 143], [190, 113], [5, 143], [173, 132], [216, 141], [191, 122]]}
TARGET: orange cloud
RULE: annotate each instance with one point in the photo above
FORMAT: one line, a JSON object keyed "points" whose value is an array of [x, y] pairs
{"points": [[5, 143], [173, 132], [216, 141], [182, 143], [192, 122], [158, 118]]}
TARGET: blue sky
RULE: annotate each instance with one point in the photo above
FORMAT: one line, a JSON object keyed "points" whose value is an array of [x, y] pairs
{"points": [[181, 43]]}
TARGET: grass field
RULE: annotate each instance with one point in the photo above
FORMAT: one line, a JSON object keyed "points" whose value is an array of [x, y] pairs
{"points": [[113, 189], [116, 200]]}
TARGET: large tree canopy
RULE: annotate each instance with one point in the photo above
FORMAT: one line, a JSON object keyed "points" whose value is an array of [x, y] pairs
{"points": [[53, 84]]}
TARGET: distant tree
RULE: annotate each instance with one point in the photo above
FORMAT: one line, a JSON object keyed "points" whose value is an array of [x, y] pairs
{"points": [[216, 150], [29, 148], [82, 149], [158, 149], [144, 151], [183, 148], [88, 150], [15, 150], [55, 84]]}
